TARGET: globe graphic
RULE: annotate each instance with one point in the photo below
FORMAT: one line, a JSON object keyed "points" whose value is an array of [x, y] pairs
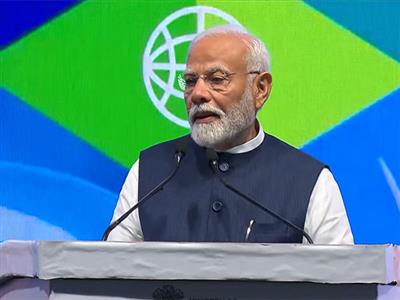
{"points": [[163, 61]]}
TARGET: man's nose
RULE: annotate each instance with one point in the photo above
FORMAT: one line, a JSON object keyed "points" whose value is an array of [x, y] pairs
{"points": [[201, 92]]}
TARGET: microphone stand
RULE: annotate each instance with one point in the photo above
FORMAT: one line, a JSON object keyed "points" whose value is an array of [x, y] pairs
{"points": [[178, 156], [213, 159]]}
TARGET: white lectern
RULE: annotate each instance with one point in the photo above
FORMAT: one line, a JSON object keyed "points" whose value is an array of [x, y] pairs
{"points": [[109, 270]]}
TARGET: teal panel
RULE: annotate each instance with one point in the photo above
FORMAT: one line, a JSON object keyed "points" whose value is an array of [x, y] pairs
{"points": [[377, 22]]}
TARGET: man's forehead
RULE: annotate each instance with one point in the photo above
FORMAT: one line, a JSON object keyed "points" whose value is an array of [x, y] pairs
{"points": [[209, 69], [225, 51]]}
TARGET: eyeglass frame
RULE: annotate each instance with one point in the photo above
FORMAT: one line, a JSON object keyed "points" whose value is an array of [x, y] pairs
{"points": [[206, 76]]}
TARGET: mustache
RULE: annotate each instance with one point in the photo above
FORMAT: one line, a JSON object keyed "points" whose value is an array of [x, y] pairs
{"points": [[204, 108]]}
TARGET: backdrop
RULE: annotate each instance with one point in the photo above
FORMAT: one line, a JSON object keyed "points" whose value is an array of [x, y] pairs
{"points": [[85, 85]]}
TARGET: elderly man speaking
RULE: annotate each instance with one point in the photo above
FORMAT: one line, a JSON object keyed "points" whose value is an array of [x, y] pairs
{"points": [[256, 189]]}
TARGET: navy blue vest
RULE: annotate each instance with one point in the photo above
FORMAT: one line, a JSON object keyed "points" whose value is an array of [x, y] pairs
{"points": [[196, 206]]}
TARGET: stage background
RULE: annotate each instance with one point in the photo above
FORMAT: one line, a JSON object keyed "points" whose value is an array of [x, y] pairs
{"points": [[84, 85]]}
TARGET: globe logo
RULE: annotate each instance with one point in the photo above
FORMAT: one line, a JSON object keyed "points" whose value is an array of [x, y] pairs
{"points": [[165, 54]]}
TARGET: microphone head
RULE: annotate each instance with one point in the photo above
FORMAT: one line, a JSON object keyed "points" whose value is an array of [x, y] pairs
{"points": [[180, 148], [211, 155]]}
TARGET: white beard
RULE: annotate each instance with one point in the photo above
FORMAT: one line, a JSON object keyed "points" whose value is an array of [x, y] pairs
{"points": [[225, 129]]}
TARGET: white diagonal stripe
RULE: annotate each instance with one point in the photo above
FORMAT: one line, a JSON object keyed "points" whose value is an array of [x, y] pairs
{"points": [[391, 181]]}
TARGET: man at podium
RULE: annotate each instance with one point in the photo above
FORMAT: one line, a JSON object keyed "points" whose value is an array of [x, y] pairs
{"points": [[235, 182]]}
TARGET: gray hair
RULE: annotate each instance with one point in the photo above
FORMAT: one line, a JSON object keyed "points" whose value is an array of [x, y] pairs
{"points": [[258, 58]]}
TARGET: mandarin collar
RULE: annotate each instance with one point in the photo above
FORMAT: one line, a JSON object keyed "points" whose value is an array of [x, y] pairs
{"points": [[249, 145]]}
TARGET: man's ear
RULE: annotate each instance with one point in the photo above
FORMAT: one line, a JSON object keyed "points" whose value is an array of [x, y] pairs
{"points": [[263, 86]]}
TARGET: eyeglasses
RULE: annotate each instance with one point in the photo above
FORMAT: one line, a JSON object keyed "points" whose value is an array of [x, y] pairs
{"points": [[217, 80]]}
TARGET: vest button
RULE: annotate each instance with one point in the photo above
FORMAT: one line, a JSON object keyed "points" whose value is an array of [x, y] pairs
{"points": [[223, 167], [217, 206]]}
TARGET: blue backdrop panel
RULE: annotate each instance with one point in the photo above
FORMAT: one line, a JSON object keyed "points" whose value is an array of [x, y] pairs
{"points": [[30, 15], [36, 152], [364, 154]]}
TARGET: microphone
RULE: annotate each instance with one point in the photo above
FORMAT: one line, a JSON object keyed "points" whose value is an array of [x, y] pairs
{"points": [[181, 146], [213, 160]]}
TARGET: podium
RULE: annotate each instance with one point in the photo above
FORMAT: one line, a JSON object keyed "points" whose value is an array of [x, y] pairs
{"points": [[151, 270]]}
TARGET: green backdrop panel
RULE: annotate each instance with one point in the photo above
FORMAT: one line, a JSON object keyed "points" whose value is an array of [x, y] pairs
{"points": [[84, 70], [322, 73]]}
